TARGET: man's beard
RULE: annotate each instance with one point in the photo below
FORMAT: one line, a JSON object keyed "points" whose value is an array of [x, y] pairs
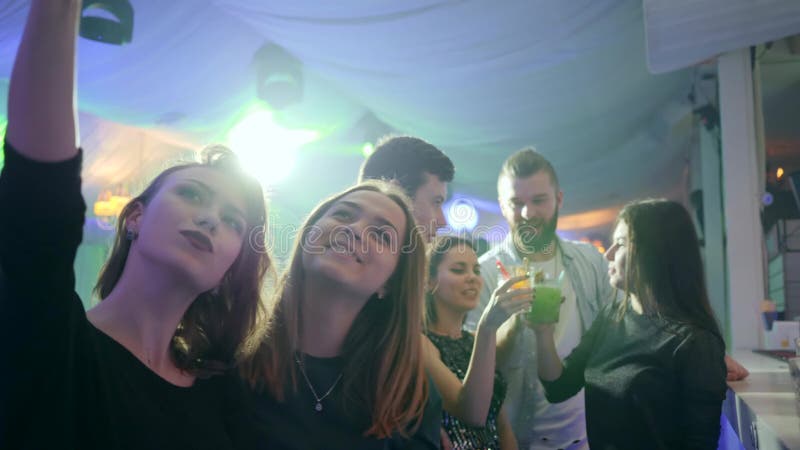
{"points": [[535, 239]]}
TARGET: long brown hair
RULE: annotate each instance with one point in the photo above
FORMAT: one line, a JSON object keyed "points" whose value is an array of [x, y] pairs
{"points": [[664, 268], [212, 332], [383, 368]]}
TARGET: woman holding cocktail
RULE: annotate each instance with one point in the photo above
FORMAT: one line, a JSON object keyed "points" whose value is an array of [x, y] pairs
{"points": [[652, 364], [463, 365]]}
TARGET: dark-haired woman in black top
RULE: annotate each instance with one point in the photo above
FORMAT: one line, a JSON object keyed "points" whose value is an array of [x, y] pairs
{"points": [[652, 364]]}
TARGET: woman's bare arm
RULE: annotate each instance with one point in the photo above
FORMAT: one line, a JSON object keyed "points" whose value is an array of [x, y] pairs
{"points": [[504, 431], [41, 98]]}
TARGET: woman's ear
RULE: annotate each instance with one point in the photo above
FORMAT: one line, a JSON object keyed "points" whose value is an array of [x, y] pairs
{"points": [[134, 218]]}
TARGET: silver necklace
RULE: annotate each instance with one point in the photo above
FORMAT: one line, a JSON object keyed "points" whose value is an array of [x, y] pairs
{"points": [[318, 406]]}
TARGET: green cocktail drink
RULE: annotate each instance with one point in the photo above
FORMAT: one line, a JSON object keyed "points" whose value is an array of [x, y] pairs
{"points": [[546, 303]]}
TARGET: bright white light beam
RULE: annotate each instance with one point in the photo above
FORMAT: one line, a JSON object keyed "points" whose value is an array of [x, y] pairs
{"points": [[266, 149]]}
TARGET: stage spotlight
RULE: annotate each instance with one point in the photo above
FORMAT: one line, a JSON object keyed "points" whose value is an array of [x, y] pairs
{"points": [[367, 149], [116, 32], [279, 77], [369, 130], [266, 149], [708, 115], [462, 215]]}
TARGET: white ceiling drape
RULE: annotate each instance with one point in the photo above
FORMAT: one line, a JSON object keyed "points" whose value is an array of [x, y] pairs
{"points": [[484, 79], [684, 32], [478, 79]]}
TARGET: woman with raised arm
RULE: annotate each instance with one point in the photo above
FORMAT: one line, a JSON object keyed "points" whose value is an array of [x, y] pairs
{"points": [[341, 365], [652, 364], [463, 365], [180, 291]]}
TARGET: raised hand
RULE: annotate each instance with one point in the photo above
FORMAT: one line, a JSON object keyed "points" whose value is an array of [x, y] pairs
{"points": [[506, 302], [41, 108]]}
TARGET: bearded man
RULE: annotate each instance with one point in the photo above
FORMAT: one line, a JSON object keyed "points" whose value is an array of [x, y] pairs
{"points": [[530, 198]]}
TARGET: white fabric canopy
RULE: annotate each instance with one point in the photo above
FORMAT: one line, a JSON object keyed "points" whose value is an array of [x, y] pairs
{"points": [[681, 33], [478, 79]]}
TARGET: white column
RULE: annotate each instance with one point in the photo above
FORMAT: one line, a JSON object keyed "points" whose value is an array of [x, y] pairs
{"points": [[714, 228], [742, 193]]}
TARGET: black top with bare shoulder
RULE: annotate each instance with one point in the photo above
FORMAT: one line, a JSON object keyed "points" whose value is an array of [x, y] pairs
{"points": [[65, 384]]}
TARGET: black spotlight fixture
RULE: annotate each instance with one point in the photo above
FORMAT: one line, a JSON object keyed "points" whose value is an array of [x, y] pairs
{"points": [[101, 29], [279, 76], [708, 115]]}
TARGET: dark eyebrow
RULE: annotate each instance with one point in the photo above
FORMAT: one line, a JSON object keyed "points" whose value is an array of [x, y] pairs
{"points": [[379, 219], [535, 197], [210, 191], [201, 184], [350, 204], [237, 211]]}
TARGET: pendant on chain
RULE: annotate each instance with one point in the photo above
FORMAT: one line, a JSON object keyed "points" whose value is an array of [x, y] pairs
{"points": [[318, 407]]}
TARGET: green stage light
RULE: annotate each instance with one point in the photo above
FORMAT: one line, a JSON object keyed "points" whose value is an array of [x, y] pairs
{"points": [[265, 148], [3, 123], [367, 149]]}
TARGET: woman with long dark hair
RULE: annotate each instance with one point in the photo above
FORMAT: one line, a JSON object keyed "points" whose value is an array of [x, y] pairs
{"points": [[180, 292], [652, 364], [341, 364]]}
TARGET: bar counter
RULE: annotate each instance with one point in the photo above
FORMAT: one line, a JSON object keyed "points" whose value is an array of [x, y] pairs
{"points": [[762, 408]]}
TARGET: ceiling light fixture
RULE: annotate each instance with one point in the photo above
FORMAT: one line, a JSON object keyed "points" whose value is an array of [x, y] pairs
{"points": [[101, 29]]}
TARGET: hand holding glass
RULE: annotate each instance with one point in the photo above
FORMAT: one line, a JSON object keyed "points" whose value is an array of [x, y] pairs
{"points": [[516, 271], [546, 300]]}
